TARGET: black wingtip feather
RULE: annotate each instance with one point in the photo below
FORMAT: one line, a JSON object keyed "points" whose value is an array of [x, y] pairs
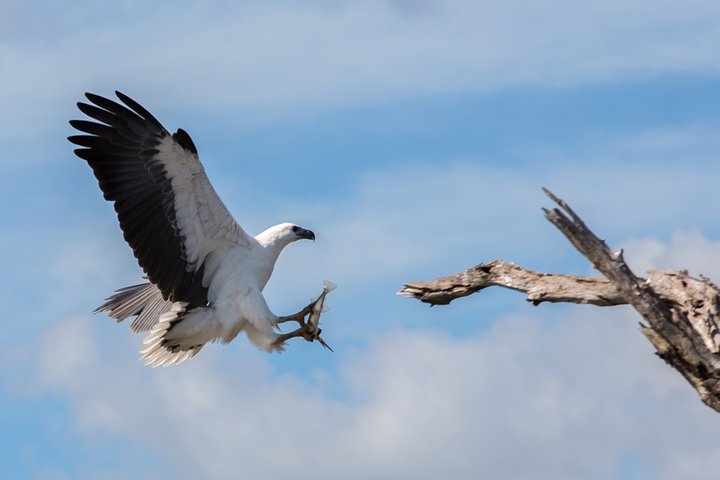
{"points": [[94, 98], [85, 140], [137, 108], [184, 140]]}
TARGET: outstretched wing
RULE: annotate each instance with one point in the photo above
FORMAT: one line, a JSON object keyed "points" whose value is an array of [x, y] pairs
{"points": [[168, 211]]}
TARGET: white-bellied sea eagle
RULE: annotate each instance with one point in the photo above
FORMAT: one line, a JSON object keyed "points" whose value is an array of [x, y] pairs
{"points": [[206, 275]]}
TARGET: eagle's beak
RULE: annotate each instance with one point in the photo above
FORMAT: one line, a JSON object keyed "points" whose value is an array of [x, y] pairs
{"points": [[306, 234]]}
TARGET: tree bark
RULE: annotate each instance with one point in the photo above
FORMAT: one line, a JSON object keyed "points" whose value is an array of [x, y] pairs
{"points": [[682, 312]]}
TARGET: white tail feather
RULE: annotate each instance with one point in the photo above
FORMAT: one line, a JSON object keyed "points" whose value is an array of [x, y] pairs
{"points": [[144, 300]]}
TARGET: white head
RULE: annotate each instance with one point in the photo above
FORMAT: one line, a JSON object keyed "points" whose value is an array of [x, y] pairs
{"points": [[283, 234]]}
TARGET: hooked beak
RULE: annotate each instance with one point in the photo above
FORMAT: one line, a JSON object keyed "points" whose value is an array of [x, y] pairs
{"points": [[303, 233]]}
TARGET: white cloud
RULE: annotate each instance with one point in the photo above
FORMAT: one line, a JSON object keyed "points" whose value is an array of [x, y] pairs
{"points": [[691, 251], [518, 401], [68, 351], [289, 56]]}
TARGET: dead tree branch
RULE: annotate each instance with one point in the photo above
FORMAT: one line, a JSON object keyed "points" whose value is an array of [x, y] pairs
{"points": [[682, 312], [540, 287]]}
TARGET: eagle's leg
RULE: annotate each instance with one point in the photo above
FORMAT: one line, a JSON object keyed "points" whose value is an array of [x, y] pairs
{"points": [[297, 317], [306, 331], [284, 337]]}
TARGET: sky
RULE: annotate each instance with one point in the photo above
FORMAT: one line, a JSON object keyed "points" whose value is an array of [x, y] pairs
{"points": [[413, 137]]}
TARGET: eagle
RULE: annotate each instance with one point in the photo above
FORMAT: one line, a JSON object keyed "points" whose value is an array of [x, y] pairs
{"points": [[205, 274]]}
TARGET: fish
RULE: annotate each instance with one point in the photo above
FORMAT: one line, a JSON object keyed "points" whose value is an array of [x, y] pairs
{"points": [[313, 324]]}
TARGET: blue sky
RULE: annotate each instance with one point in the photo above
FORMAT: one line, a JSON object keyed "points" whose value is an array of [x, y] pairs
{"points": [[413, 136]]}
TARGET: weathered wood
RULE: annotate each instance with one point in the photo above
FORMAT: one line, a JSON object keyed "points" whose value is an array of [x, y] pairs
{"points": [[682, 312], [540, 287]]}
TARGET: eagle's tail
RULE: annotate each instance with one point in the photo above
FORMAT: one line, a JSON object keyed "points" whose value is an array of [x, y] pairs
{"points": [[178, 335], [143, 300]]}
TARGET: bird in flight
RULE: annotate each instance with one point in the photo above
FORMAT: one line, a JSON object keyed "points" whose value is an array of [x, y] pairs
{"points": [[206, 275]]}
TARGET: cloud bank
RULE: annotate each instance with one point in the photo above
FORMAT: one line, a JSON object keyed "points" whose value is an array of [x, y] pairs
{"points": [[558, 392], [519, 401], [282, 56]]}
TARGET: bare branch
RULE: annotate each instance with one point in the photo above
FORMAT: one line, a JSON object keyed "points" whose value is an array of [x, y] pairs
{"points": [[540, 287]]}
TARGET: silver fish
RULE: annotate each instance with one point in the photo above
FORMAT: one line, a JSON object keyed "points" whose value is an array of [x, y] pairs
{"points": [[313, 324]]}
